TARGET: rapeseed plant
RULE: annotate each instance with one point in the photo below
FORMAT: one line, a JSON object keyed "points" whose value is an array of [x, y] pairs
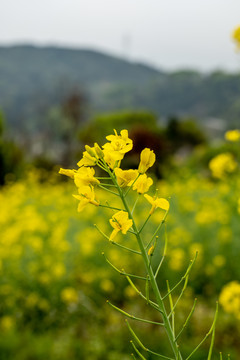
{"points": [[119, 182]]}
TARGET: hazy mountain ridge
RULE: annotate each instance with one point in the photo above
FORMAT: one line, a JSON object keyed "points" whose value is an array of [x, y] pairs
{"points": [[32, 79]]}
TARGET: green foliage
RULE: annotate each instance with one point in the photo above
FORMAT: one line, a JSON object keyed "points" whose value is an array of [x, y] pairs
{"points": [[96, 130], [185, 132], [11, 157]]}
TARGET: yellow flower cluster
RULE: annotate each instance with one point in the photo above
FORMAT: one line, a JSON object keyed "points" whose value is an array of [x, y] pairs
{"points": [[232, 135], [230, 298], [222, 164], [236, 36], [108, 158]]}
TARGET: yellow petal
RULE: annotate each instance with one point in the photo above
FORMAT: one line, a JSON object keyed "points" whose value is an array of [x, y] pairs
{"points": [[113, 234]]}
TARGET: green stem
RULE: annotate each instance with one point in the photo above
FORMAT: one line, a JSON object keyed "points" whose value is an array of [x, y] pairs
{"points": [[130, 187], [104, 188], [111, 207], [212, 329], [182, 278], [179, 297], [137, 351], [164, 254], [150, 272], [125, 247], [103, 184], [133, 208], [134, 317], [122, 272], [103, 178], [152, 303], [145, 224], [187, 320], [158, 228]]}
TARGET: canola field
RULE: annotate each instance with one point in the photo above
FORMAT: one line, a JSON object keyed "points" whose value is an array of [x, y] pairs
{"points": [[55, 281]]}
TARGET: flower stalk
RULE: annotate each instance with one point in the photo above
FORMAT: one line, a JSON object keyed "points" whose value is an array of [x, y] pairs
{"points": [[108, 159]]}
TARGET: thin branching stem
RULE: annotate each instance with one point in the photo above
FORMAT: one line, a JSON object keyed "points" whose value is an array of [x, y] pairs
{"points": [[103, 178], [115, 243], [152, 303], [156, 231], [111, 207], [183, 278], [103, 167], [134, 206], [144, 347], [125, 247], [187, 320], [145, 222], [103, 184], [110, 191], [134, 317], [179, 297], [207, 335], [137, 351], [213, 336], [131, 232], [164, 254], [122, 272], [171, 308], [130, 187]]}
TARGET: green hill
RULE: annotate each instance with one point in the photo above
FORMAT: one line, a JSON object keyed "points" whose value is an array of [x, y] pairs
{"points": [[34, 79]]}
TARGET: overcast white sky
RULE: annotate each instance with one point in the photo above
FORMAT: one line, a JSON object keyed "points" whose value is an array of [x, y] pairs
{"points": [[168, 34]]}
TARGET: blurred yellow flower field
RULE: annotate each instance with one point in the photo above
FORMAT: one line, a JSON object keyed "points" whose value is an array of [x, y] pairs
{"points": [[54, 280]]}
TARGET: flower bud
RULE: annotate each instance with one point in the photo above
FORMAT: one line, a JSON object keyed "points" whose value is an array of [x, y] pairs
{"points": [[90, 151], [150, 251], [147, 159], [98, 151]]}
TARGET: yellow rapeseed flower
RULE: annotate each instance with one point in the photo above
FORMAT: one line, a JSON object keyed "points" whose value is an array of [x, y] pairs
{"points": [[7, 323], [232, 135], [86, 196], [87, 159], [142, 184], [222, 164], [118, 146], [236, 36], [69, 295], [157, 203], [67, 172], [112, 159], [147, 159], [238, 206], [125, 177], [85, 176], [98, 151], [230, 298], [120, 222], [122, 137]]}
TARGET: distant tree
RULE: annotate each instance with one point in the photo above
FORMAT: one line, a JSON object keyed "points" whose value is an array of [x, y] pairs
{"points": [[74, 114], [11, 157], [184, 132], [101, 125], [63, 123]]}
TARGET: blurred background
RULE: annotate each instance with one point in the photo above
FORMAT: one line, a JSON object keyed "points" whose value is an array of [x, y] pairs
{"points": [[70, 73]]}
